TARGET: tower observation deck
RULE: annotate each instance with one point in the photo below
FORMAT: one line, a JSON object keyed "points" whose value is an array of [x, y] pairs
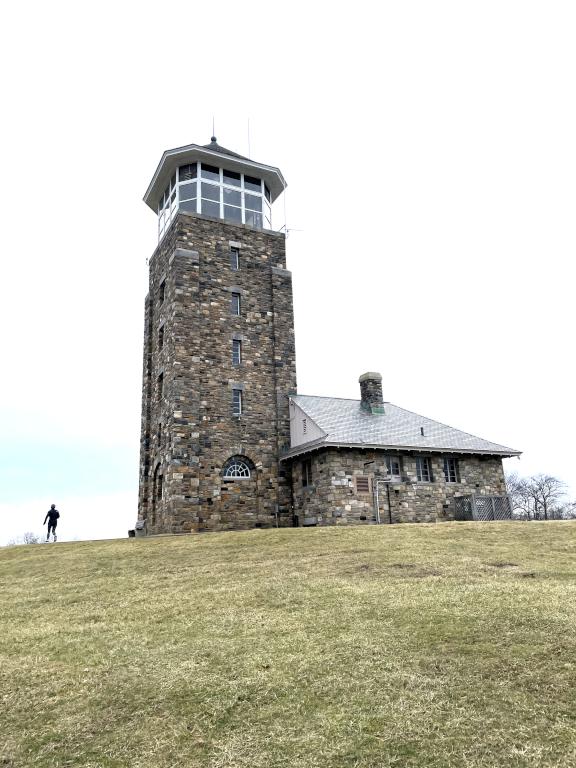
{"points": [[216, 182]]}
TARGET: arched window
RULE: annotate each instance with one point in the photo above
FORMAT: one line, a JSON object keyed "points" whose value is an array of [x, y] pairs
{"points": [[237, 467]]}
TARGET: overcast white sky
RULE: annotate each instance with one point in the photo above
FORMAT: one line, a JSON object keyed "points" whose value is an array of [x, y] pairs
{"points": [[430, 153]]}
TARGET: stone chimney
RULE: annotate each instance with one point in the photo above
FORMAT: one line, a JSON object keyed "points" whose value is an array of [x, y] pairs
{"points": [[371, 393]]}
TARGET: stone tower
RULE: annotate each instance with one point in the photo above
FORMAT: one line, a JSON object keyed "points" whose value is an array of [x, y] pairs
{"points": [[219, 354]]}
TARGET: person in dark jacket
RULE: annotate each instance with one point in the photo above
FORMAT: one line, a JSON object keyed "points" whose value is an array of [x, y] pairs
{"points": [[52, 516]]}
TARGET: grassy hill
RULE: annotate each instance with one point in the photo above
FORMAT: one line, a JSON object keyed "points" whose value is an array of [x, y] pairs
{"points": [[446, 645]]}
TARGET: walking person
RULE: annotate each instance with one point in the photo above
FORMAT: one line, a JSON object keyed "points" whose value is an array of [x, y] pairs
{"points": [[52, 516]]}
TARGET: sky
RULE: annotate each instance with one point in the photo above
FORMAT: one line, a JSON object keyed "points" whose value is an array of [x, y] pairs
{"points": [[430, 158]]}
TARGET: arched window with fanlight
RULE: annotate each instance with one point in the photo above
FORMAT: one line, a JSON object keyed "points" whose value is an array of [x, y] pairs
{"points": [[237, 468]]}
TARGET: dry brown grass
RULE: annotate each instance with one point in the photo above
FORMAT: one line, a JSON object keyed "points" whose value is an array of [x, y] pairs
{"points": [[437, 646]]}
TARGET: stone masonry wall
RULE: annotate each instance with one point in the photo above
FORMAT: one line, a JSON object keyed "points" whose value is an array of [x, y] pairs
{"points": [[188, 430], [333, 497]]}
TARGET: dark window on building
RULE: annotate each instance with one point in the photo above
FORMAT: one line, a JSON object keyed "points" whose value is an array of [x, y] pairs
{"points": [[235, 303], [161, 337], [210, 192], [187, 172], [362, 484], [451, 471], [210, 208], [424, 469], [160, 385], [237, 467], [235, 258], [210, 172], [159, 487], [307, 472], [232, 213], [232, 197], [188, 192], [253, 202], [253, 218], [159, 433], [237, 402], [162, 291], [253, 184], [393, 465], [236, 351], [232, 178]]}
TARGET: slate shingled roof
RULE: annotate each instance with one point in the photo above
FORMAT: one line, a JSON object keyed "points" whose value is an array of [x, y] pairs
{"points": [[215, 147], [346, 424]]}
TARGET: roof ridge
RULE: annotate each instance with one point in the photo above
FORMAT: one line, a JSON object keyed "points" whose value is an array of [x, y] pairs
{"points": [[327, 397]]}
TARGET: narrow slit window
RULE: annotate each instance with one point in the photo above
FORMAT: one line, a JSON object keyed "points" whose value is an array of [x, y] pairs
{"points": [[160, 385], [236, 351], [237, 402], [307, 472], [236, 304], [235, 258], [162, 291], [161, 337]]}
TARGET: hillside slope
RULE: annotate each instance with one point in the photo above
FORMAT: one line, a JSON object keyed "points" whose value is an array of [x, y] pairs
{"points": [[438, 646]]}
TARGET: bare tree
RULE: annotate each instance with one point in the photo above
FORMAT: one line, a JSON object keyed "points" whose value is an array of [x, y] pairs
{"points": [[26, 538], [519, 497], [540, 497], [547, 493]]}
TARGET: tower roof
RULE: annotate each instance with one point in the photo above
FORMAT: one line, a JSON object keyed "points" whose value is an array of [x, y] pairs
{"points": [[213, 154], [215, 147]]}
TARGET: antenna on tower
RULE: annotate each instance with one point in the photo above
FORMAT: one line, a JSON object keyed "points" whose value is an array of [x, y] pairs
{"points": [[213, 134], [248, 137]]}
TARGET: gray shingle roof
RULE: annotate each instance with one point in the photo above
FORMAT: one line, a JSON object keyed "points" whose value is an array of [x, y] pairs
{"points": [[215, 147], [347, 424]]}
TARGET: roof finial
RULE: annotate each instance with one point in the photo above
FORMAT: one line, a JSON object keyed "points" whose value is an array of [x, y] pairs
{"points": [[213, 137]]}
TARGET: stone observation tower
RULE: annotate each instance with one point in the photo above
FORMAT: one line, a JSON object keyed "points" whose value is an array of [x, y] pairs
{"points": [[219, 354]]}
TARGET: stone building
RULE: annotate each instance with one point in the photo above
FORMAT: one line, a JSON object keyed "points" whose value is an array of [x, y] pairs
{"points": [[225, 441], [364, 461]]}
